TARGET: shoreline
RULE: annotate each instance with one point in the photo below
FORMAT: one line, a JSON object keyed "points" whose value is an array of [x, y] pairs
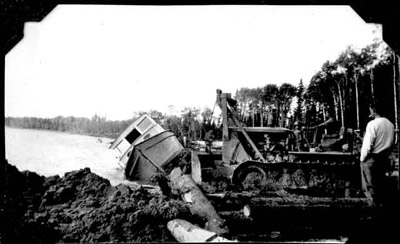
{"points": [[62, 132]]}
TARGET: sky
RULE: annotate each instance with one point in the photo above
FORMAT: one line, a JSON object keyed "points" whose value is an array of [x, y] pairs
{"points": [[82, 60]]}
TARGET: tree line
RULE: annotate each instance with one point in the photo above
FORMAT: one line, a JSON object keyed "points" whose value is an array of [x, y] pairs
{"points": [[96, 126], [193, 123], [266, 106], [344, 86]]}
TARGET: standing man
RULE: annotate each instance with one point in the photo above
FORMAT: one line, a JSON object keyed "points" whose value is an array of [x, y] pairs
{"points": [[298, 137], [375, 151], [209, 138]]}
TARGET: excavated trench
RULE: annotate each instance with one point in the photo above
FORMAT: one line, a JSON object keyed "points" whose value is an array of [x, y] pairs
{"points": [[84, 207]]}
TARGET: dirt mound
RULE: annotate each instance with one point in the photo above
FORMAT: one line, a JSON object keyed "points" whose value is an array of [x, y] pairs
{"points": [[22, 197], [74, 187], [83, 207]]}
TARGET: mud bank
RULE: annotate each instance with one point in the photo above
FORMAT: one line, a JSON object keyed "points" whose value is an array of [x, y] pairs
{"points": [[83, 207]]}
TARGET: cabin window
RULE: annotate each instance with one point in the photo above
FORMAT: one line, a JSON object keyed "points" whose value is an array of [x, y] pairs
{"points": [[144, 124], [123, 146], [133, 136]]}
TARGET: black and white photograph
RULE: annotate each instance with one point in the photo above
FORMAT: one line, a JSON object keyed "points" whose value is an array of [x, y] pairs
{"points": [[200, 122]]}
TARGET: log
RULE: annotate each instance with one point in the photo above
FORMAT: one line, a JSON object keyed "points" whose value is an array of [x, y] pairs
{"points": [[184, 231], [238, 215], [198, 203], [234, 201], [246, 196], [276, 207], [196, 168], [308, 202]]}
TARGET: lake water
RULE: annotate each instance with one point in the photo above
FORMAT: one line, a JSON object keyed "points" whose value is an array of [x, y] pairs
{"points": [[55, 153]]}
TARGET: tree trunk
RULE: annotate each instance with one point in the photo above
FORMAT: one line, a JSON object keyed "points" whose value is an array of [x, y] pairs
{"points": [[345, 92], [372, 83], [201, 132], [341, 104], [357, 105], [199, 204], [335, 103], [252, 115], [324, 117], [395, 94]]}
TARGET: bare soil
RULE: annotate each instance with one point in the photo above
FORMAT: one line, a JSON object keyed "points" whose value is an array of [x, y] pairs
{"points": [[82, 207]]}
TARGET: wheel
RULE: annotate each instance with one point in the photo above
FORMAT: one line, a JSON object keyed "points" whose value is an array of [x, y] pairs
{"points": [[250, 176]]}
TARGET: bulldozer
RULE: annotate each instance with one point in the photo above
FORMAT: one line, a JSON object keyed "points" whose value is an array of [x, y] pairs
{"points": [[270, 158]]}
